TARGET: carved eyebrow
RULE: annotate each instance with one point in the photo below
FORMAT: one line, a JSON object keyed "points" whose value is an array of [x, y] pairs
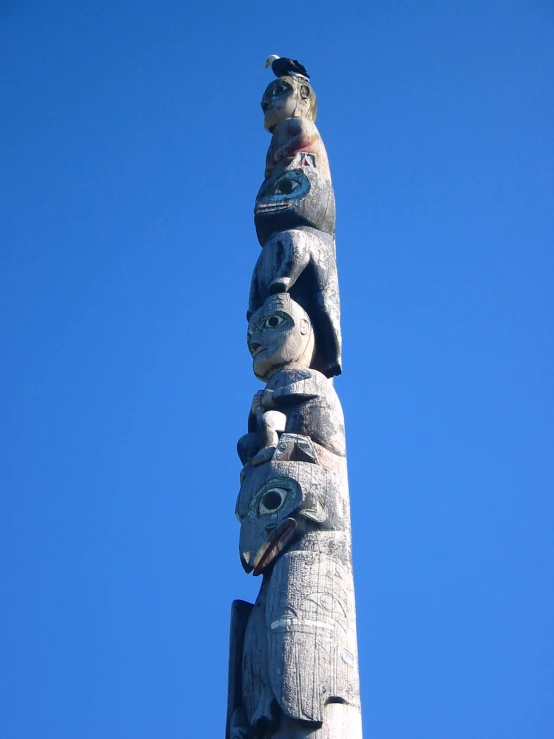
{"points": [[259, 325]]}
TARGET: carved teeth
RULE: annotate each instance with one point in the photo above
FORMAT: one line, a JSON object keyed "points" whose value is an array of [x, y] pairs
{"points": [[271, 206]]}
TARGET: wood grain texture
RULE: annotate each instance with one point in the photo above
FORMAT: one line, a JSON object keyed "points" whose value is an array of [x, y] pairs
{"points": [[295, 196], [293, 667], [302, 262]]}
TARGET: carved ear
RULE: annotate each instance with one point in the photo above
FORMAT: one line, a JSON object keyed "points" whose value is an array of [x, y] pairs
{"points": [[304, 327], [304, 92], [316, 512]]}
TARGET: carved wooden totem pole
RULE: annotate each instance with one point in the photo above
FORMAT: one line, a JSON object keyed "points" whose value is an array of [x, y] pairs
{"points": [[293, 669]]}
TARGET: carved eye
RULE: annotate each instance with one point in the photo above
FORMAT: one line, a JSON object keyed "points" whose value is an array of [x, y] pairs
{"points": [[272, 500], [279, 89], [286, 186], [273, 321]]}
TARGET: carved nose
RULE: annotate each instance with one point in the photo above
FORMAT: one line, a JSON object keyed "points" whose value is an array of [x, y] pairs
{"points": [[265, 106], [254, 347]]}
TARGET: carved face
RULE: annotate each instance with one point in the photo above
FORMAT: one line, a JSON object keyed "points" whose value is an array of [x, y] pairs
{"points": [[279, 335], [277, 503], [282, 191], [297, 196], [287, 97], [267, 526]]}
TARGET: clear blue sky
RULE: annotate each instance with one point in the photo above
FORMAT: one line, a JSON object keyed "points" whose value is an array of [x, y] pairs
{"points": [[132, 148]]}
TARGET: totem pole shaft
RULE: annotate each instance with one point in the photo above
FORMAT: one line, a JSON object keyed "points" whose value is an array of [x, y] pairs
{"points": [[293, 665]]}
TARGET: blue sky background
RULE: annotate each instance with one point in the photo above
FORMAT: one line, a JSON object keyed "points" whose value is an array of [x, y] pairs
{"points": [[132, 148]]}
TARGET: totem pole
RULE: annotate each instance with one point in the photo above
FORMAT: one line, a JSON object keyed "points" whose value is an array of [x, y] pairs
{"points": [[293, 666]]}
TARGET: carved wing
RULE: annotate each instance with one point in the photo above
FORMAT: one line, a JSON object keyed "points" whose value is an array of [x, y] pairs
{"points": [[311, 634], [240, 611]]}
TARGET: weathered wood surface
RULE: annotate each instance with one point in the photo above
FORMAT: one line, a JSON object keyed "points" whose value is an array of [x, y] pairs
{"points": [[293, 668], [299, 398], [295, 196], [302, 262], [290, 109]]}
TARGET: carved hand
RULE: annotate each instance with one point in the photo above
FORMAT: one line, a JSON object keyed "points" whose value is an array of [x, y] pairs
{"points": [[304, 141], [280, 153], [267, 399], [262, 401], [257, 402]]}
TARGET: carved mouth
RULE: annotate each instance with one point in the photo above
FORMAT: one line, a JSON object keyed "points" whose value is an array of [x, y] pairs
{"points": [[274, 545], [265, 207], [255, 349]]}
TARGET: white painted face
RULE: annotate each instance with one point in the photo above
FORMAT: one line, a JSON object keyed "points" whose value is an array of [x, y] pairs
{"points": [[280, 335], [278, 103], [287, 97]]}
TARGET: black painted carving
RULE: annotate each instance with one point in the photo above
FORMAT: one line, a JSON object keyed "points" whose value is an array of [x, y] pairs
{"points": [[300, 195]]}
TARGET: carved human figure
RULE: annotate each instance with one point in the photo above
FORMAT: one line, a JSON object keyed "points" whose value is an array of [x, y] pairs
{"points": [[290, 108], [297, 399], [301, 261]]}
